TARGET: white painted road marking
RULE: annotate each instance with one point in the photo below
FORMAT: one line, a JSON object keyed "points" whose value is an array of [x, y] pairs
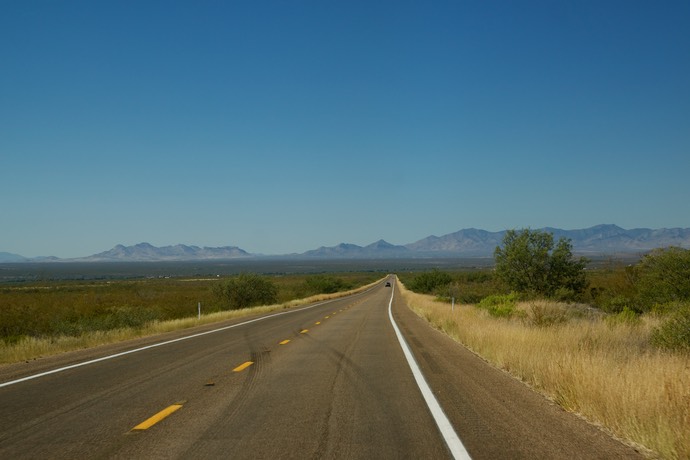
{"points": [[447, 431]]}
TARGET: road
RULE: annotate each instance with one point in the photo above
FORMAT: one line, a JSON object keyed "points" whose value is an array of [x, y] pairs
{"points": [[326, 381]]}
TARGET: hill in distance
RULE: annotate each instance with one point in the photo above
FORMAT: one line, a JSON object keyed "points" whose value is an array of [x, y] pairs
{"points": [[143, 252], [8, 257], [379, 249]]}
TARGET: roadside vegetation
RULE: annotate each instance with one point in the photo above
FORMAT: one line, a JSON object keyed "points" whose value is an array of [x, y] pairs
{"points": [[611, 344], [39, 319]]}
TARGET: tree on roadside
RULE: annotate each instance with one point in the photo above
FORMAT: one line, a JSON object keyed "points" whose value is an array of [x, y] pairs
{"points": [[663, 276], [246, 290], [528, 262]]}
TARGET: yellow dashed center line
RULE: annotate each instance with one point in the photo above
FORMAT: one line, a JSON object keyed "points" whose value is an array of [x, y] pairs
{"points": [[243, 366], [148, 423], [145, 425]]}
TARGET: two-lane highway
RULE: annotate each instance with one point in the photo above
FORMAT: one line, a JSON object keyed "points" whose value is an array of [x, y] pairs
{"points": [[326, 381], [323, 382]]}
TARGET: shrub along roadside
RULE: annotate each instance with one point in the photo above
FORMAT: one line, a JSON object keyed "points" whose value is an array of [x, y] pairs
{"points": [[467, 286], [246, 290], [663, 276], [674, 333], [659, 284], [501, 306]]}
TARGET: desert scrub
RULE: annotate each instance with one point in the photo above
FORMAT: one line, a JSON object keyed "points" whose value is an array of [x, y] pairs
{"points": [[62, 308], [429, 282], [625, 316], [466, 286], [501, 306], [72, 308], [24, 347], [542, 313], [674, 332], [609, 372]]}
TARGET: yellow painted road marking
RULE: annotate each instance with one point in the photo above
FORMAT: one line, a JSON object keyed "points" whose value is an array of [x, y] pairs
{"points": [[284, 342], [327, 317], [146, 424], [304, 331], [317, 323], [243, 366]]}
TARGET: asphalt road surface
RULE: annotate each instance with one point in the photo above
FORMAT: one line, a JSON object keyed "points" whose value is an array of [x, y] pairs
{"points": [[326, 381]]}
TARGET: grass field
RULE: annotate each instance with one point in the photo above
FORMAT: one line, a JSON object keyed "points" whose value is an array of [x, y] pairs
{"points": [[604, 370]]}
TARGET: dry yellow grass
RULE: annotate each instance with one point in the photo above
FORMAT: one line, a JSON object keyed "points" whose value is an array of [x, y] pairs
{"points": [[604, 371], [31, 347]]}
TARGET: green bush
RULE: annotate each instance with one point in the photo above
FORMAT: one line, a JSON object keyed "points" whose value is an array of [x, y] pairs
{"points": [[246, 290], [664, 276], [125, 317], [625, 316], [674, 333], [656, 283], [502, 306], [613, 287]]}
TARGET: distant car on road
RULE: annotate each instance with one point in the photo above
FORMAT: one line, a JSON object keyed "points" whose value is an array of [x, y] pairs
{"points": [[388, 284]]}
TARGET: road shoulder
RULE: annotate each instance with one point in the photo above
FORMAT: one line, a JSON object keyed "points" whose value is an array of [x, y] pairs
{"points": [[495, 415]]}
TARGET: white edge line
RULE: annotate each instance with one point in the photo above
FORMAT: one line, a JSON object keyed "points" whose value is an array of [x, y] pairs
{"points": [[117, 355], [453, 442]]}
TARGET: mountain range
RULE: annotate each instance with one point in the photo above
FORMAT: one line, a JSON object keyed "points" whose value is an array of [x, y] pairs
{"points": [[471, 242], [146, 252]]}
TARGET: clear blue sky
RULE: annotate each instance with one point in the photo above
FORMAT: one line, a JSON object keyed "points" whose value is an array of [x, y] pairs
{"points": [[281, 126]]}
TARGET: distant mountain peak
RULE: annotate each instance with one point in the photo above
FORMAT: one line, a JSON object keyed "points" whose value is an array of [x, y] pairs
{"points": [[147, 252], [381, 244], [8, 257], [380, 248]]}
